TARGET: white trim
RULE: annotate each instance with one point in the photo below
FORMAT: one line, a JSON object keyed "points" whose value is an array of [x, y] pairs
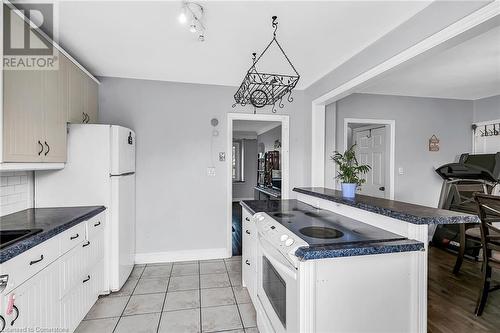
{"points": [[30, 166], [50, 40], [241, 199], [174, 256], [318, 145], [469, 22], [267, 128], [392, 144], [285, 161]]}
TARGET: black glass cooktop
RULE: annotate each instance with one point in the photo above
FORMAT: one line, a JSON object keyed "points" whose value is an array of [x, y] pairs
{"points": [[321, 227]]}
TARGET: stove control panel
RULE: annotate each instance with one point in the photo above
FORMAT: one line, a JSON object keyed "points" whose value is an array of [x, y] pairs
{"points": [[279, 236]]}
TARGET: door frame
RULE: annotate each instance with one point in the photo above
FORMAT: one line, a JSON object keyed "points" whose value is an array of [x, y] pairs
{"points": [[285, 161], [392, 144]]}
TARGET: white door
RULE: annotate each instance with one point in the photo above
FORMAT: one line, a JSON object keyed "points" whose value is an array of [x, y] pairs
{"points": [[371, 149], [122, 229], [122, 150]]}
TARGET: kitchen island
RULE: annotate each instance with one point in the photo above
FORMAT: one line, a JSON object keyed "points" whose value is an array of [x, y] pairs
{"points": [[348, 265]]}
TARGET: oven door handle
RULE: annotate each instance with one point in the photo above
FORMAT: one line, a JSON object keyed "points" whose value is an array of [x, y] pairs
{"points": [[277, 260]]}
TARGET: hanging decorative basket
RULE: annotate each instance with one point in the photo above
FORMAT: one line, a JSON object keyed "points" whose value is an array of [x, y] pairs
{"points": [[261, 89]]}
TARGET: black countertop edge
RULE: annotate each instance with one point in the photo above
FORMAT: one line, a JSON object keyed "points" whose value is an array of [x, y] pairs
{"points": [[343, 250], [269, 191], [48, 232], [411, 213]]}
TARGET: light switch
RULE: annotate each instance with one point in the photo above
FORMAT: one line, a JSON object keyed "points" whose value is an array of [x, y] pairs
{"points": [[401, 171], [211, 171]]}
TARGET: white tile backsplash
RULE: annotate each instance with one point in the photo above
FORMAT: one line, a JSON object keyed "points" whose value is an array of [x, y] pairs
{"points": [[16, 191]]}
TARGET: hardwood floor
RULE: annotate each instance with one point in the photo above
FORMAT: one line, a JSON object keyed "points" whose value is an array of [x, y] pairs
{"points": [[237, 232], [452, 299]]}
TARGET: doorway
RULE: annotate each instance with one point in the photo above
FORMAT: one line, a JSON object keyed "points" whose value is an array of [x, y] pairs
{"points": [[374, 146], [257, 166]]}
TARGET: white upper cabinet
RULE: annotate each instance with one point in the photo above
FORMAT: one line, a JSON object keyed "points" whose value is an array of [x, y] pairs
{"points": [[38, 104]]}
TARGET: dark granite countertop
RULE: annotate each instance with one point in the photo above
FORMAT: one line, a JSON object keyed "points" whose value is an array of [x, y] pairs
{"points": [[332, 250], [269, 191], [404, 211], [52, 221]]}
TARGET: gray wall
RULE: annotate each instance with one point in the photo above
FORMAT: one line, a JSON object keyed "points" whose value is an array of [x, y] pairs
{"points": [[244, 190], [268, 138], [180, 208], [417, 119], [486, 109]]}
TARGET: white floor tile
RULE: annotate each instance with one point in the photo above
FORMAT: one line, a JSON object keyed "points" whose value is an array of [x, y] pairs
{"points": [[233, 266], [97, 325], [107, 307], [217, 296], [220, 318], [241, 294], [140, 304], [212, 267], [127, 289], [157, 271], [151, 286], [181, 300], [235, 278], [184, 283], [248, 315], [183, 321], [187, 269], [137, 271], [215, 280], [146, 323]]}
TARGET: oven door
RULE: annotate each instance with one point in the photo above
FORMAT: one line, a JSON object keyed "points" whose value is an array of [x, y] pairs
{"points": [[277, 288]]}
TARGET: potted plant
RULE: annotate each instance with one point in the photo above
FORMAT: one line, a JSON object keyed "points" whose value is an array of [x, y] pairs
{"points": [[349, 171]]}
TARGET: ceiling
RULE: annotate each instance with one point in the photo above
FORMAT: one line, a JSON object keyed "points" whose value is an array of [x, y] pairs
{"points": [[468, 71], [143, 39], [251, 126]]}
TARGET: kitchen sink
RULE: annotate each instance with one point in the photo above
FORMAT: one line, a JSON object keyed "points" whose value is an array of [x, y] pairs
{"points": [[9, 237]]}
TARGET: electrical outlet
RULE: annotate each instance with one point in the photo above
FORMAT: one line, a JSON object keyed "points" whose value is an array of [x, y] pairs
{"points": [[222, 156], [211, 171]]}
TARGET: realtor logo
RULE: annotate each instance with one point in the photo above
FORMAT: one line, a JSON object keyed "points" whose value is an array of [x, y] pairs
{"points": [[24, 44]]}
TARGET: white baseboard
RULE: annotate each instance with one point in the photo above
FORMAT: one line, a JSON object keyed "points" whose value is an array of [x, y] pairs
{"points": [[174, 256], [242, 199]]}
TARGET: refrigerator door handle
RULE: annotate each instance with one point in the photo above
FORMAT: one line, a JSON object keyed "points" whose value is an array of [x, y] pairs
{"points": [[122, 174]]}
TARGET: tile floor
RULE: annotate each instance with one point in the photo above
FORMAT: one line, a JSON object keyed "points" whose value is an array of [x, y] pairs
{"points": [[204, 296]]}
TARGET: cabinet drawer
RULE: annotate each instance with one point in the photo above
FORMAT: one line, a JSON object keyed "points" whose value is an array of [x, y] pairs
{"points": [[94, 248], [27, 264], [95, 226], [72, 237]]}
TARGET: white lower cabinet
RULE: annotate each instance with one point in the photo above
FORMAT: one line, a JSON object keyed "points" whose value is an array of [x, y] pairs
{"points": [[37, 303], [249, 254], [58, 296]]}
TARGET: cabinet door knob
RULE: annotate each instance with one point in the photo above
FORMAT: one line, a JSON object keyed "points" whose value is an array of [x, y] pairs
{"points": [[88, 278], [2, 323], [97, 224], [247, 219], [74, 237], [83, 117], [17, 315], [41, 148], [86, 244], [48, 148], [36, 261], [247, 262], [248, 232]]}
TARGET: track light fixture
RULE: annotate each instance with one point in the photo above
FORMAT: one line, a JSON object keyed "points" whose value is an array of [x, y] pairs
{"points": [[192, 14]]}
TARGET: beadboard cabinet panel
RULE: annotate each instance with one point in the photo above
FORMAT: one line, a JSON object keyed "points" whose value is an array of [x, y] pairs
{"points": [[23, 118]]}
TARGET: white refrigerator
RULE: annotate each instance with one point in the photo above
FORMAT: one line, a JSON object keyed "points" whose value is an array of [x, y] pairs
{"points": [[100, 170]]}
